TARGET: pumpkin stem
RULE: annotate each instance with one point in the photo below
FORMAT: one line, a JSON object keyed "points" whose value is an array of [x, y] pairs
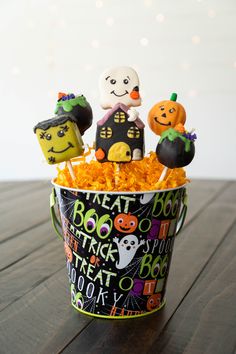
{"points": [[173, 96]]}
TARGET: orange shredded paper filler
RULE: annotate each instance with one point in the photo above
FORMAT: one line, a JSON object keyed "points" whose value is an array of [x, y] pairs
{"points": [[140, 175]]}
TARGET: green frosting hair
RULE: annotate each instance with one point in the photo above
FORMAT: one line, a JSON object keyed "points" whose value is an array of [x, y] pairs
{"points": [[172, 134], [68, 105]]}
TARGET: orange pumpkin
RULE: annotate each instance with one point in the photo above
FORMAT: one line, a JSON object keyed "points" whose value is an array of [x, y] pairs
{"points": [[154, 301], [166, 114], [126, 223]]}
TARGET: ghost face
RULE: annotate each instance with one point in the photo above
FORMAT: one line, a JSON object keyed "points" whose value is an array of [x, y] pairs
{"points": [[127, 248], [130, 243], [119, 85]]}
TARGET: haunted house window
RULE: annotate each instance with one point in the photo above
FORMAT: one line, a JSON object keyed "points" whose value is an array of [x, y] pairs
{"points": [[106, 132], [133, 132], [119, 117]]}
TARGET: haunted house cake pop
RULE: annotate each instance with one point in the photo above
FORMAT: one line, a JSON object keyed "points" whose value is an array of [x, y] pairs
{"points": [[120, 133], [77, 106]]}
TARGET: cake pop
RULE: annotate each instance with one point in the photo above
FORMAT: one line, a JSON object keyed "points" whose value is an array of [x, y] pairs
{"points": [[120, 133], [176, 146], [166, 114], [77, 106], [60, 139]]}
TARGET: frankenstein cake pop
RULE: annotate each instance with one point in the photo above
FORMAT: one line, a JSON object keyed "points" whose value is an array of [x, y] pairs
{"points": [[120, 133], [60, 139], [77, 106]]}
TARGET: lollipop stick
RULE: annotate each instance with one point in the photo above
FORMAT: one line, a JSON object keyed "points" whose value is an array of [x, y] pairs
{"points": [[117, 170], [163, 174], [70, 168]]}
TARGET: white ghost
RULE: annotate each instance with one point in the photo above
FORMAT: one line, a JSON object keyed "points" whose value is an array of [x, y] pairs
{"points": [[127, 248], [120, 85]]}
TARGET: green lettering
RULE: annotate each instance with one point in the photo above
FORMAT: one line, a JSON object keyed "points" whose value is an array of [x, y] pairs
{"points": [[145, 265], [78, 213], [158, 204], [129, 286]]}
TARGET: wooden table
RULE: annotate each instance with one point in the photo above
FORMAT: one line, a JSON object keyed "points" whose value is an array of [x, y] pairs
{"points": [[36, 316]]}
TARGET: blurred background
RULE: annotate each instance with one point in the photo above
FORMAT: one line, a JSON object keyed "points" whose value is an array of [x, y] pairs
{"points": [[186, 46]]}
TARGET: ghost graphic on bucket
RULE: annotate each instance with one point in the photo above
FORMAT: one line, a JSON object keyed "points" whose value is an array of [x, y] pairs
{"points": [[127, 247]]}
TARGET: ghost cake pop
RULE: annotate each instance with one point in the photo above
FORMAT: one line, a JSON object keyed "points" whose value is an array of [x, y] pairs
{"points": [[60, 139], [120, 133], [176, 146], [77, 106]]}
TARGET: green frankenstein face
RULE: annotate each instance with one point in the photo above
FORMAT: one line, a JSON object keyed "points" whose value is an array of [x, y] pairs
{"points": [[59, 138]]}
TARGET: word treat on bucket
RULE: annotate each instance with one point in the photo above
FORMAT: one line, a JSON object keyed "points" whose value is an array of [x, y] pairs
{"points": [[119, 210]]}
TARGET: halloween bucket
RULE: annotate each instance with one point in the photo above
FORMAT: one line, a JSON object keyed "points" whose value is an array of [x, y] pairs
{"points": [[118, 247]]}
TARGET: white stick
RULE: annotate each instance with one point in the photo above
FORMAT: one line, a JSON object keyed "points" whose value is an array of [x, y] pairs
{"points": [[117, 173], [163, 174], [70, 168]]}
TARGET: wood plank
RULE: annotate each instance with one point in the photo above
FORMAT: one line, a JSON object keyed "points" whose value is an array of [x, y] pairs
{"points": [[14, 197], [34, 329], [200, 193], [14, 189], [6, 185], [205, 322], [193, 249], [42, 319], [28, 272], [15, 249], [24, 212]]}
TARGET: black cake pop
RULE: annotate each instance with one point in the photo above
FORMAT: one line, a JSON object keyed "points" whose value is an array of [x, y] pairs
{"points": [[78, 106], [176, 149]]}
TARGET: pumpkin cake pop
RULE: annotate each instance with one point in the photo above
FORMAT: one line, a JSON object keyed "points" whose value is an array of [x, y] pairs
{"points": [[166, 114], [176, 146]]}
